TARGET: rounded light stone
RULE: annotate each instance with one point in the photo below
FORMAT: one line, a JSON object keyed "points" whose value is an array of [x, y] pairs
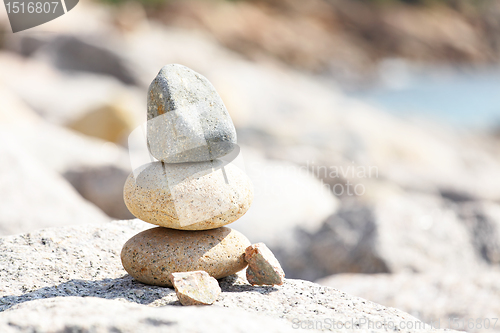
{"points": [[152, 255], [188, 196]]}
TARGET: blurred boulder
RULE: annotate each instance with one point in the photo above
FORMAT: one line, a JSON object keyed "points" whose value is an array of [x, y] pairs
{"points": [[287, 198], [108, 122], [394, 232], [336, 132], [482, 220], [26, 45], [96, 169], [34, 197], [75, 53], [94, 104], [13, 109], [102, 186], [450, 300]]}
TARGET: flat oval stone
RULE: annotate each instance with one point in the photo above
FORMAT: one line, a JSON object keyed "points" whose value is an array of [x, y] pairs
{"points": [[187, 120], [189, 196], [152, 255]]}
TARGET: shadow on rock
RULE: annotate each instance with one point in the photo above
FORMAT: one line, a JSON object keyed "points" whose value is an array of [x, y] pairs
{"points": [[125, 288], [234, 284]]}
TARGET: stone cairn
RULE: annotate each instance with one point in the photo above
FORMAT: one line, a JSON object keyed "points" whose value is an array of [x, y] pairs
{"points": [[191, 192]]}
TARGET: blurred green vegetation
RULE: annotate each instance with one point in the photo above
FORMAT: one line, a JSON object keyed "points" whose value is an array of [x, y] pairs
{"points": [[451, 3], [411, 2], [147, 3]]}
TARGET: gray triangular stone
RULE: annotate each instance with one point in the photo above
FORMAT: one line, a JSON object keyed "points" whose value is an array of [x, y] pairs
{"points": [[187, 120]]}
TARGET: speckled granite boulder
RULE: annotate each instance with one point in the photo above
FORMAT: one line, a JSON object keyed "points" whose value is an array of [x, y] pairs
{"points": [[187, 120], [189, 196], [152, 255], [195, 288], [100, 315], [70, 279]]}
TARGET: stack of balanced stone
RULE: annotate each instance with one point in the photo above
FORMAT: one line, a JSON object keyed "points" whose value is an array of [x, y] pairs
{"points": [[191, 192]]}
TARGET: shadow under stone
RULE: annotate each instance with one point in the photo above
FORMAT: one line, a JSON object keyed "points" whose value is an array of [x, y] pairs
{"points": [[232, 284]]}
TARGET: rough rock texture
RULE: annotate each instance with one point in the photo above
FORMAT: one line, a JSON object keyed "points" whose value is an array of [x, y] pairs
{"points": [[187, 120], [263, 268], [189, 196], [56, 264], [453, 299], [92, 314], [33, 196], [195, 288], [153, 254]]}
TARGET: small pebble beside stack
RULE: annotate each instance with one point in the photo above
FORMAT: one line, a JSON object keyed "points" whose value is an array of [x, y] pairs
{"points": [[191, 194]]}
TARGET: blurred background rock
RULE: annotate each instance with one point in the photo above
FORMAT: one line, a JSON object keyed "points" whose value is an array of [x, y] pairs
{"points": [[369, 129]]}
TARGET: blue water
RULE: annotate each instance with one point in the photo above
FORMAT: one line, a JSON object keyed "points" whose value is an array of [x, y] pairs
{"points": [[465, 98]]}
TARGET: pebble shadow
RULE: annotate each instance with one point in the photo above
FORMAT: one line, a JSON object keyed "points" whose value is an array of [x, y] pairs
{"points": [[233, 284]]}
